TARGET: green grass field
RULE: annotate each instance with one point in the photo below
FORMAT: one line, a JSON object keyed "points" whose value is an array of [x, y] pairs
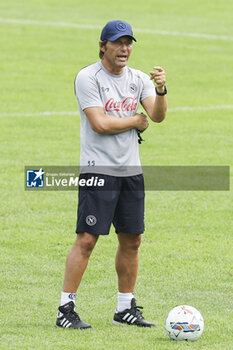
{"points": [[186, 255]]}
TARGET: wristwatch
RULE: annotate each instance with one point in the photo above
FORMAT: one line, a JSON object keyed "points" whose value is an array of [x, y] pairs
{"points": [[161, 93]]}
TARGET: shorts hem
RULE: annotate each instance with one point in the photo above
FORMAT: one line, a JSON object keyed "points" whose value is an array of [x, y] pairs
{"points": [[130, 232], [91, 233]]}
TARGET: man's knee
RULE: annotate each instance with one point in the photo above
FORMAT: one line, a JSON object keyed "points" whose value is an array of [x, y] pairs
{"points": [[129, 241], [86, 242], [136, 242]]}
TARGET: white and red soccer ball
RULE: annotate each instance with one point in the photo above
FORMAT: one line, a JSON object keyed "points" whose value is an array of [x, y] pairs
{"points": [[184, 322]]}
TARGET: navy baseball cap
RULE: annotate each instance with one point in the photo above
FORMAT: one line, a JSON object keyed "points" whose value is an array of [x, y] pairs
{"points": [[116, 29]]}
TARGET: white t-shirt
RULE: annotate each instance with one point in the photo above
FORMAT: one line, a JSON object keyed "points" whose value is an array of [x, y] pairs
{"points": [[119, 95]]}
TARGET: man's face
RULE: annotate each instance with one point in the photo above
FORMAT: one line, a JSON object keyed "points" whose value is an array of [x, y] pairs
{"points": [[116, 53]]}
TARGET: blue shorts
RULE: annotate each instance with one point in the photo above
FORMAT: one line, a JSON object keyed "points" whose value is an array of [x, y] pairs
{"points": [[120, 201]]}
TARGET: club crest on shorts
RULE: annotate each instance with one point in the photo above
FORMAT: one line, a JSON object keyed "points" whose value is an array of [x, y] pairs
{"points": [[91, 220]]}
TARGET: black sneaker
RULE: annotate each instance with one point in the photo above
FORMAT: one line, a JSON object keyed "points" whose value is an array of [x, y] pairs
{"points": [[70, 319], [132, 316]]}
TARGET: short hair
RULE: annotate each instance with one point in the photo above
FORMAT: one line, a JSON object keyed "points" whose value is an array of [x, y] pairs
{"points": [[101, 53]]}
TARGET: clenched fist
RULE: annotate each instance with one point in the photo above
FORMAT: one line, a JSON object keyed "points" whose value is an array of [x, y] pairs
{"points": [[142, 122]]}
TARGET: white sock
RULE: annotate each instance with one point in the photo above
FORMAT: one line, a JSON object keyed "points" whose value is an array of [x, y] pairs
{"points": [[124, 301], [66, 298]]}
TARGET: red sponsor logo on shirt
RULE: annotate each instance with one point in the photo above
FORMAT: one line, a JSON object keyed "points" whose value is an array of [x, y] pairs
{"points": [[128, 104]]}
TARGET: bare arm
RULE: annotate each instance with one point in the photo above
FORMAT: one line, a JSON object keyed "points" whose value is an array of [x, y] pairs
{"points": [[156, 108], [109, 124]]}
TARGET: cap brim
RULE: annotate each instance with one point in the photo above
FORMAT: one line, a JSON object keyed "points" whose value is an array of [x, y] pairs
{"points": [[120, 35]]}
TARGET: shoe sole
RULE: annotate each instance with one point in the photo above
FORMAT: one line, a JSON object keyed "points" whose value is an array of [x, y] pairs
{"points": [[119, 323], [81, 328], [127, 324]]}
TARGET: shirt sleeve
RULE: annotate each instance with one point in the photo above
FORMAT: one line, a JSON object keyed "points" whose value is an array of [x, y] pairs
{"points": [[148, 87], [87, 90]]}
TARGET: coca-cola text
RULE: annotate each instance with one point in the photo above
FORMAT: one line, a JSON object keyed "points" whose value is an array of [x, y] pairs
{"points": [[128, 104]]}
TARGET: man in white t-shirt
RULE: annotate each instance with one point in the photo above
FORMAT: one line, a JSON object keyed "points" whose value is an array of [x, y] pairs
{"points": [[109, 93]]}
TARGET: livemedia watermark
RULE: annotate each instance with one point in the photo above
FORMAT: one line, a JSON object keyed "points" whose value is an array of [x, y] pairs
{"points": [[156, 178]]}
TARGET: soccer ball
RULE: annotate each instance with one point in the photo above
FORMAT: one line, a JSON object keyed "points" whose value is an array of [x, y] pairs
{"points": [[184, 322]]}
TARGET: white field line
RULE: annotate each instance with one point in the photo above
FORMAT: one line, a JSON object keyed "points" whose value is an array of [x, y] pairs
{"points": [[198, 108], [54, 113], [137, 30], [38, 114]]}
